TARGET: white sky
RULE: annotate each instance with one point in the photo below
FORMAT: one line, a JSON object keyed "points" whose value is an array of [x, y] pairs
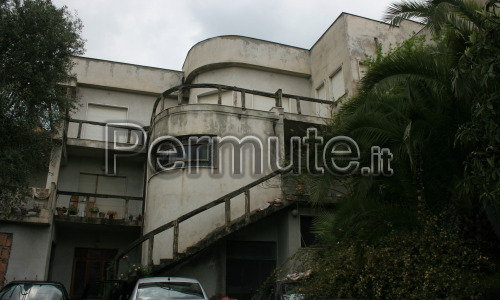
{"points": [[159, 33]]}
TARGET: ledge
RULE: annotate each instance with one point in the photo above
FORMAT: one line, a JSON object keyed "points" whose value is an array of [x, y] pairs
{"points": [[42, 218], [97, 221]]}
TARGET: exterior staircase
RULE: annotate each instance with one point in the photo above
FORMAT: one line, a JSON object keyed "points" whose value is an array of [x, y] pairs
{"points": [[228, 228]]}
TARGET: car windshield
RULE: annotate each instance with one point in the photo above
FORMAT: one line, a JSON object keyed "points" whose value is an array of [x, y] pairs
{"points": [[29, 291], [169, 290]]}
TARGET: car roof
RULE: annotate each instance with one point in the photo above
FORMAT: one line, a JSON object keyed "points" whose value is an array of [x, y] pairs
{"points": [[35, 282], [167, 279]]}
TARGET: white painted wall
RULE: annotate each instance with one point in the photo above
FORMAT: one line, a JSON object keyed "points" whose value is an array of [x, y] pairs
{"points": [[28, 261], [172, 194]]}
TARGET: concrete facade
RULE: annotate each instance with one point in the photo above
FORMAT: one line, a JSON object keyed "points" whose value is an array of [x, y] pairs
{"points": [[117, 92]]}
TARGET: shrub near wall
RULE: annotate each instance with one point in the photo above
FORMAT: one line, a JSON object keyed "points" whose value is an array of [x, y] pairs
{"points": [[427, 263]]}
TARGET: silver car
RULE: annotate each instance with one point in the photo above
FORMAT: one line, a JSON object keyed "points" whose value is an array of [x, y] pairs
{"points": [[164, 288]]}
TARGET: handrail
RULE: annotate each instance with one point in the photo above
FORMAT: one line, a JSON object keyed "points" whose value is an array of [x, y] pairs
{"points": [[277, 96], [68, 193], [175, 223], [81, 122]]}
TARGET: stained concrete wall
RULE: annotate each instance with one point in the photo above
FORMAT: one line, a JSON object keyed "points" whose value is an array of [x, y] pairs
{"points": [[174, 193], [224, 51], [210, 267], [344, 45], [139, 107], [121, 76], [253, 79], [29, 251], [95, 237]]}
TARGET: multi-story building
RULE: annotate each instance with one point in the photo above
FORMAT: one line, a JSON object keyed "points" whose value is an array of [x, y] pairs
{"points": [[212, 222]]}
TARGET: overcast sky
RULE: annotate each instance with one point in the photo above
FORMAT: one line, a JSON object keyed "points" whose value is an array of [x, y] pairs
{"points": [[159, 33]]}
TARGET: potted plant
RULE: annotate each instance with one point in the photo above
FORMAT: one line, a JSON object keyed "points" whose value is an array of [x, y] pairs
{"points": [[112, 214], [101, 214], [61, 210], [138, 218], [72, 211], [94, 210], [130, 217]]}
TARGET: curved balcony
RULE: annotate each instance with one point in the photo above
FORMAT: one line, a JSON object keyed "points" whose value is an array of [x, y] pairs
{"points": [[228, 51]]}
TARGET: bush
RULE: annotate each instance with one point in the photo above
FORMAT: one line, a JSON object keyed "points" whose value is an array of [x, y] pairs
{"points": [[426, 263]]}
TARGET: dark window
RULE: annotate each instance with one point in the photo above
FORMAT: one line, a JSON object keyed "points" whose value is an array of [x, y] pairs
{"points": [[307, 237], [191, 151]]}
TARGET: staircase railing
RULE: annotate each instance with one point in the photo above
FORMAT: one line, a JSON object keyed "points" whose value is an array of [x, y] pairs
{"points": [[226, 199]]}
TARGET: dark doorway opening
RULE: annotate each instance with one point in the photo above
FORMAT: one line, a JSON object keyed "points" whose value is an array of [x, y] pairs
{"points": [[307, 237], [248, 265], [89, 265]]}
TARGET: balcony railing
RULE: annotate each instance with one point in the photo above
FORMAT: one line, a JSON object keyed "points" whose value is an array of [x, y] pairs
{"points": [[92, 130], [182, 92], [128, 208]]}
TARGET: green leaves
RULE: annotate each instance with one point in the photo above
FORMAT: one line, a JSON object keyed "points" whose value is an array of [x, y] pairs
{"points": [[37, 42], [425, 232]]}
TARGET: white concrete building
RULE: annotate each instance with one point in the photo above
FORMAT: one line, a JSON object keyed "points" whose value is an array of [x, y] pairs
{"points": [[206, 225]]}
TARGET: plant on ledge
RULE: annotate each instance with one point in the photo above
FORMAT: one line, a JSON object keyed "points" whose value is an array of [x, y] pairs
{"points": [[61, 210], [72, 210], [94, 210], [111, 214]]}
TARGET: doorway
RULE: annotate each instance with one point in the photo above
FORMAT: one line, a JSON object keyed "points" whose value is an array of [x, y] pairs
{"points": [[248, 265], [89, 265]]}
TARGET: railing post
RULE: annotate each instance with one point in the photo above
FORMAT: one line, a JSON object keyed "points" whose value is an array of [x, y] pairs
{"points": [[126, 209], [179, 96], [79, 130], [116, 268], [228, 212], [243, 100], [279, 98], [151, 242], [299, 111], [219, 96], [247, 205], [175, 247]]}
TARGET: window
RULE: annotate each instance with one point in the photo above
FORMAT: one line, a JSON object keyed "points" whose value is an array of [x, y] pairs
{"points": [[169, 290], [105, 114], [321, 92], [337, 84], [186, 151], [307, 237]]}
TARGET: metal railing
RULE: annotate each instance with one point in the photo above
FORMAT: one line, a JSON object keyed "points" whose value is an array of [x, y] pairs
{"points": [[183, 90], [127, 199], [103, 124]]}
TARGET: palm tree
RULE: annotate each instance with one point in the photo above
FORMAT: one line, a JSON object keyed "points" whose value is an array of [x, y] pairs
{"points": [[408, 102]]}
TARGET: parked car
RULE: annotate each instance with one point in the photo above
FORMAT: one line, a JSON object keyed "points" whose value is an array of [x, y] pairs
{"points": [[30, 290], [106, 290], [165, 288]]}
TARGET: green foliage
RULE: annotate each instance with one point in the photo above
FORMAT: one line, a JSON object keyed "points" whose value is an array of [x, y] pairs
{"points": [[423, 264], [428, 231], [481, 64], [37, 41], [135, 270]]}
